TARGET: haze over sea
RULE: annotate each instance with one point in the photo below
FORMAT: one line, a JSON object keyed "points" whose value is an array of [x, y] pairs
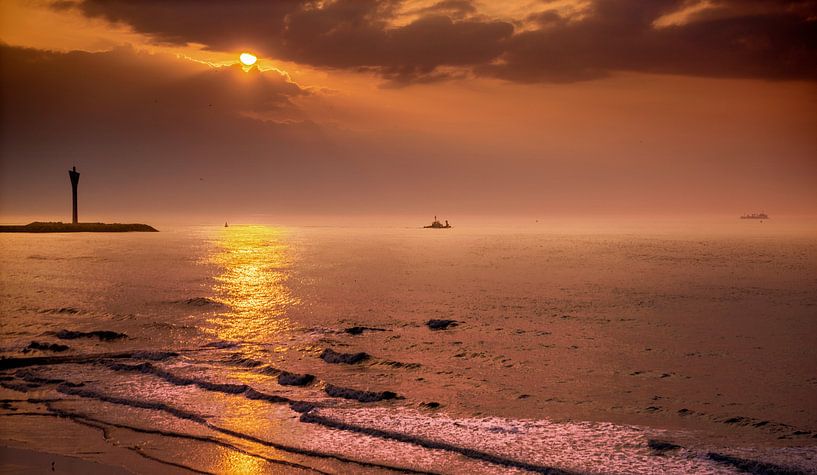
{"points": [[579, 346]]}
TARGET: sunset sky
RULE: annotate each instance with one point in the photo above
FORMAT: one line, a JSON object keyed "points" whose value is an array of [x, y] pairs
{"points": [[414, 107]]}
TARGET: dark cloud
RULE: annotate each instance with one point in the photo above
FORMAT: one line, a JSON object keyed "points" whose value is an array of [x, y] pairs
{"points": [[339, 34], [770, 39], [738, 42], [148, 128]]}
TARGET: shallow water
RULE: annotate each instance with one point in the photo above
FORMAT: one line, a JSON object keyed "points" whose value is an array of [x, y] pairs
{"points": [[572, 349]]}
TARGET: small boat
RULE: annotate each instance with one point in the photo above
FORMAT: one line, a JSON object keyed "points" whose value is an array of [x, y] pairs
{"points": [[755, 216], [225, 224], [438, 225]]}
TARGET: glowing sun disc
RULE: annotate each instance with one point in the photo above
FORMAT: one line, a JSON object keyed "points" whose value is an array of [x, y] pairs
{"points": [[247, 59]]}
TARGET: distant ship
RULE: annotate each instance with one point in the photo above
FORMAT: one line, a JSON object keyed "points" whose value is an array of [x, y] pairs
{"points": [[755, 216], [438, 225], [225, 224]]}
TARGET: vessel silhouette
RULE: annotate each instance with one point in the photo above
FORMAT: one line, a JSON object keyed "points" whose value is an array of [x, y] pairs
{"points": [[438, 225]]}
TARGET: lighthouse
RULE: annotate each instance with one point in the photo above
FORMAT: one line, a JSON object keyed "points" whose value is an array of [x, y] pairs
{"points": [[74, 174]]}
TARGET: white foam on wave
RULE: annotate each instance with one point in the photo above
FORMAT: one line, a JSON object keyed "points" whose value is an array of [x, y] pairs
{"points": [[585, 447]]}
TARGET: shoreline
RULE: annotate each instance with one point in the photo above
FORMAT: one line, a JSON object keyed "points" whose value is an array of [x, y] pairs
{"points": [[19, 460]]}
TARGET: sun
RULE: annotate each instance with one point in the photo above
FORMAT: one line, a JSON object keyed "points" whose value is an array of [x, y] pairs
{"points": [[247, 59]]}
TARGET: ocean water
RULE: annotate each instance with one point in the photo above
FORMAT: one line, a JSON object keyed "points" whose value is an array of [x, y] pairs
{"points": [[675, 349]]}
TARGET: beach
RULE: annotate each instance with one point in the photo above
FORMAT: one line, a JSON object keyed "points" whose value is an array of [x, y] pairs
{"points": [[270, 349]]}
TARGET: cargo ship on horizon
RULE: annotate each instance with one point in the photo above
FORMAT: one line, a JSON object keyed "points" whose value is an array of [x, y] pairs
{"points": [[755, 216]]}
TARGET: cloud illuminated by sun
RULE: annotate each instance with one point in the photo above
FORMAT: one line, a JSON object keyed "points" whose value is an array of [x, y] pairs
{"points": [[247, 59]]}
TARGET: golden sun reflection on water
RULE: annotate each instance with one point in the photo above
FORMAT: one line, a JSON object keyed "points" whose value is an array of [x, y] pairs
{"points": [[255, 262], [232, 462]]}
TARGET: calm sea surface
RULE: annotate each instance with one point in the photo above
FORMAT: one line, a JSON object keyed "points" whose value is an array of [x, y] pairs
{"points": [[575, 350]]}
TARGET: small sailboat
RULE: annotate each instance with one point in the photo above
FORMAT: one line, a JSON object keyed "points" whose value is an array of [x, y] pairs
{"points": [[225, 224]]}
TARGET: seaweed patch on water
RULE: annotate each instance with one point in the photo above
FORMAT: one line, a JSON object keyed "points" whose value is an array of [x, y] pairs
{"points": [[360, 330], [102, 335], [200, 302], [399, 364], [780, 429], [436, 324], [753, 467], [285, 378], [32, 377], [222, 344], [40, 346], [660, 446], [61, 310], [237, 359], [331, 356], [357, 395]]}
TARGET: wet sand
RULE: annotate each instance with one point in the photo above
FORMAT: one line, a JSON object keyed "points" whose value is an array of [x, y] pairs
{"points": [[24, 461]]}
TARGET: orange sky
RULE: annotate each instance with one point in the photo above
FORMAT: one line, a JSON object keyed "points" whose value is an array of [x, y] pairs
{"points": [[446, 107]]}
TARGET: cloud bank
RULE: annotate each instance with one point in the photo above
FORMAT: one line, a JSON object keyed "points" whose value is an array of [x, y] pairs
{"points": [[766, 39]]}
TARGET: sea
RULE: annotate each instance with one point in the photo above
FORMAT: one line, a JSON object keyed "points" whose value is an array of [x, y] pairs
{"points": [[535, 347]]}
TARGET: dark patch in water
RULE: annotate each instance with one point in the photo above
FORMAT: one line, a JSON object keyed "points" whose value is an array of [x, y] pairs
{"points": [[102, 335], [291, 379], [752, 466], [360, 330], [398, 364], [441, 324], [786, 430], [240, 360], [153, 355], [430, 405], [37, 345], [331, 356], [14, 386], [301, 406], [31, 377], [33, 380], [61, 310], [221, 344], [361, 396], [661, 446], [200, 302]]}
